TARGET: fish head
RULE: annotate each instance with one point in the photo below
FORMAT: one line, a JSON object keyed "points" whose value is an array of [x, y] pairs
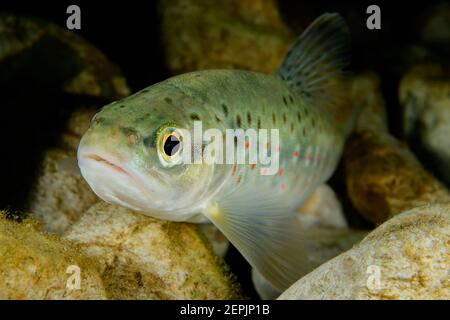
{"points": [[131, 155]]}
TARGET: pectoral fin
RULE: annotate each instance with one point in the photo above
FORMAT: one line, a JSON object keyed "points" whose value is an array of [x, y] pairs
{"points": [[265, 231]]}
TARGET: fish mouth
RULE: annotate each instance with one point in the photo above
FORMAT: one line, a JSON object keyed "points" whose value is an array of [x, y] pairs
{"points": [[120, 169], [115, 182], [101, 160], [134, 177]]}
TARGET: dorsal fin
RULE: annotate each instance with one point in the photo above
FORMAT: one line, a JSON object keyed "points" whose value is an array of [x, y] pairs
{"points": [[314, 65]]}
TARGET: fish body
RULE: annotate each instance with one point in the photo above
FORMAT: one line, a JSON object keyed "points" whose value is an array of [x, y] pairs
{"points": [[123, 156]]}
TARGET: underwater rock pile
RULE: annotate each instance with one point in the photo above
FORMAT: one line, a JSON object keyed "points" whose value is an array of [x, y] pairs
{"points": [[379, 230], [60, 195], [383, 176], [34, 265], [424, 95], [146, 258], [69, 62], [223, 34], [404, 258]]}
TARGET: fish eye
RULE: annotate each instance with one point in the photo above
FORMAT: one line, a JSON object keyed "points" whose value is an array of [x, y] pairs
{"points": [[171, 144]]}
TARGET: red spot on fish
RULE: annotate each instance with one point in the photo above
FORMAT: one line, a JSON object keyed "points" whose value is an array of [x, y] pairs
{"points": [[252, 166], [266, 146], [280, 171], [278, 149], [296, 154], [247, 145]]}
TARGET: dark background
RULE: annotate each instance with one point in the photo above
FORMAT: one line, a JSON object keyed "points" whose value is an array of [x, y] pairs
{"points": [[127, 32]]}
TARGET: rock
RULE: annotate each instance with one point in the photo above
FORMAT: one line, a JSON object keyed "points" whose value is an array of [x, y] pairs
{"points": [[202, 34], [436, 28], [45, 72], [366, 96], [35, 266], [424, 95], [383, 176], [51, 56], [406, 257], [60, 194], [323, 209], [219, 242], [76, 126], [146, 258]]}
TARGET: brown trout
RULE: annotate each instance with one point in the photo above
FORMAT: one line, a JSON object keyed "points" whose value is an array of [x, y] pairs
{"points": [[128, 155]]}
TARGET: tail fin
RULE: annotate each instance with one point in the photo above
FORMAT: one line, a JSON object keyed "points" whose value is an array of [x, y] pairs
{"points": [[313, 67]]}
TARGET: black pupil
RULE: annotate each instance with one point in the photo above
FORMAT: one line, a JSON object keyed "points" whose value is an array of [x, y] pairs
{"points": [[171, 145]]}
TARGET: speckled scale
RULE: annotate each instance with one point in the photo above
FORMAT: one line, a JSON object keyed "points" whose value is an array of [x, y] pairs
{"points": [[310, 143]]}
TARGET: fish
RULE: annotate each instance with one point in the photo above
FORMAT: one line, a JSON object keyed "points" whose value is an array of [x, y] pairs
{"points": [[127, 154]]}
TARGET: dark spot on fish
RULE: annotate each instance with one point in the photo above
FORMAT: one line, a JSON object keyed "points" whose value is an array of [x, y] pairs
{"points": [[168, 100], [143, 118], [122, 106], [299, 83], [217, 118], [225, 109], [274, 119], [304, 131], [128, 131], [97, 120], [291, 99], [259, 123], [306, 112], [313, 122], [285, 101], [292, 127], [195, 117], [249, 118], [284, 117], [238, 121], [299, 117]]}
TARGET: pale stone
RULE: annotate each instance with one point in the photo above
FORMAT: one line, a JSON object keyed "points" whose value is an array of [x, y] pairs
{"points": [[406, 257], [146, 258], [37, 266]]}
